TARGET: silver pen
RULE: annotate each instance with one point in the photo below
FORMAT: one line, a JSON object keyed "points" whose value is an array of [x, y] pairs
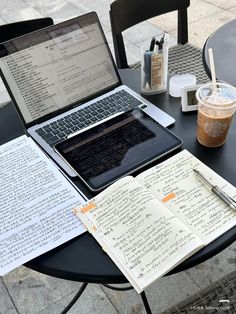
{"points": [[216, 190]]}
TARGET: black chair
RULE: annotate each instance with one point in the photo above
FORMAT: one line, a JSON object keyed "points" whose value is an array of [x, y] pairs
{"points": [[183, 58], [12, 30]]}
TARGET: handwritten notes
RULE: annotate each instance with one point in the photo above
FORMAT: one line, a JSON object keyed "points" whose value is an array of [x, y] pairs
{"points": [[194, 203], [151, 223], [35, 206], [144, 236]]}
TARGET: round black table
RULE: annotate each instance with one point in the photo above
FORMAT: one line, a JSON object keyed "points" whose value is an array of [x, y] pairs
{"points": [[223, 43], [82, 259]]}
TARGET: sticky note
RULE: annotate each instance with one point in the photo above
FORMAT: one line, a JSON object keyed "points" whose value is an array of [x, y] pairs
{"points": [[88, 207], [168, 197]]}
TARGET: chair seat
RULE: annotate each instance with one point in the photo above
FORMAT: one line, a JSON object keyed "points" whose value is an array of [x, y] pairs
{"points": [[184, 59], [209, 299], [187, 59]]}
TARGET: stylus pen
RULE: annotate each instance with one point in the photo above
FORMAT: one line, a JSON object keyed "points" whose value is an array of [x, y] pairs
{"points": [[217, 191]]}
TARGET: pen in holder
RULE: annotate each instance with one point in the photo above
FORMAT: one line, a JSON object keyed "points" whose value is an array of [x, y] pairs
{"points": [[154, 64]]}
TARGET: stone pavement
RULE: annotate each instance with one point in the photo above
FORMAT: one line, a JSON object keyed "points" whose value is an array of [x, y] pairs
{"points": [[25, 291]]}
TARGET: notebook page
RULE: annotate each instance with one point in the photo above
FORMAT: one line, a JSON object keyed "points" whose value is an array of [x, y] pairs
{"points": [[175, 184], [35, 205], [142, 237]]}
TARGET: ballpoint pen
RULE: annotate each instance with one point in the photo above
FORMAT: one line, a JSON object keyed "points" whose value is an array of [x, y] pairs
{"points": [[148, 63], [216, 190]]}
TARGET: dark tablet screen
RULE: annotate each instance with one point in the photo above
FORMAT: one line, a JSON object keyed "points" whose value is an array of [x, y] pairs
{"points": [[117, 147]]}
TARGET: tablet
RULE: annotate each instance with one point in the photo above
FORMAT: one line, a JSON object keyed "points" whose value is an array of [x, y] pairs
{"points": [[116, 147]]}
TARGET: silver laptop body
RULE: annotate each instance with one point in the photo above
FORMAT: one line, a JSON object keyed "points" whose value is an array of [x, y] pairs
{"points": [[63, 78]]}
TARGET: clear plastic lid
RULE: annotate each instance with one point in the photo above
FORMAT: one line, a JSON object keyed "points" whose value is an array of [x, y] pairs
{"points": [[223, 98]]}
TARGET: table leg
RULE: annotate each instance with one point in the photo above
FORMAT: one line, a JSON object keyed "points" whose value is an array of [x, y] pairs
{"points": [[145, 303], [117, 288], [143, 296], [76, 297], [84, 285]]}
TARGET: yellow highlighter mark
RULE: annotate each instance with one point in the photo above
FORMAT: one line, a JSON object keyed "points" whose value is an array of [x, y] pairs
{"points": [[168, 197], [88, 207]]}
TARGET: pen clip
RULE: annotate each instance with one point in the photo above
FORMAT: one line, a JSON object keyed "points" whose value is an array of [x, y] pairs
{"points": [[225, 195]]}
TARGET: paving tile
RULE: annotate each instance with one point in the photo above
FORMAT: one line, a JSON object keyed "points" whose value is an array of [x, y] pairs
{"points": [[170, 290], [93, 300], [215, 268], [17, 11], [14, 5], [99, 6], [233, 10], [6, 304], [223, 4], [105, 28], [199, 31], [24, 14], [162, 294], [31, 291], [125, 301], [42, 3], [59, 10], [105, 20], [140, 32], [2, 21], [197, 10], [133, 51]]}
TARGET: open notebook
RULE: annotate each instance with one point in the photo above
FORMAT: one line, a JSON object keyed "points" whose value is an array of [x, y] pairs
{"points": [[151, 223]]}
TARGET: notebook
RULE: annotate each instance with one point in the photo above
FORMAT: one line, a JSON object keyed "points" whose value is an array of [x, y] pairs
{"points": [[63, 78]]}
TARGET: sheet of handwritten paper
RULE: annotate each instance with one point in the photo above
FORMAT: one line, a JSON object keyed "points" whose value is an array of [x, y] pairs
{"points": [[141, 233], [35, 205], [176, 185]]}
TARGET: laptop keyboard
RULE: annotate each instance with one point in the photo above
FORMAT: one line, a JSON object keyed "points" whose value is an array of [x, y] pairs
{"points": [[60, 129]]}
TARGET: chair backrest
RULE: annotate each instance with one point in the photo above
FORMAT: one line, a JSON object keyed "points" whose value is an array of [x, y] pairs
{"points": [[127, 13], [12, 30]]}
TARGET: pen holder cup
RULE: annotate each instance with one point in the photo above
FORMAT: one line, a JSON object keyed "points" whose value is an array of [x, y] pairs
{"points": [[154, 67]]}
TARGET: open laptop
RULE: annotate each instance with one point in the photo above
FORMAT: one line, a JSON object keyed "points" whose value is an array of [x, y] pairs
{"points": [[63, 78]]}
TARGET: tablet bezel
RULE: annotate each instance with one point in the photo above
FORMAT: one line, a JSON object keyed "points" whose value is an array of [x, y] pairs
{"points": [[145, 162]]}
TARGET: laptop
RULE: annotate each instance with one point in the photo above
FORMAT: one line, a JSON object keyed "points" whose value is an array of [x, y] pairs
{"points": [[63, 78]]}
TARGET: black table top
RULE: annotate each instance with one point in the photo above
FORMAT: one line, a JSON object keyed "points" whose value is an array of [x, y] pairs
{"points": [[223, 43], [82, 259]]}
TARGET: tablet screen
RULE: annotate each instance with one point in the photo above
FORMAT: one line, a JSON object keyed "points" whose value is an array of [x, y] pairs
{"points": [[117, 147]]}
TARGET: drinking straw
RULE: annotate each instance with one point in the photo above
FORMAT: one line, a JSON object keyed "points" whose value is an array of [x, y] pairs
{"points": [[213, 72]]}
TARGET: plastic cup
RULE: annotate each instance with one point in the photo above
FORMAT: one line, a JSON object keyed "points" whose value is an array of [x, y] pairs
{"points": [[154, 65], [215, 113]]}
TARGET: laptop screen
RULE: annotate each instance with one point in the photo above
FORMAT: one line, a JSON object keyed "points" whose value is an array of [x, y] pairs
{"points": [[57, 67]]}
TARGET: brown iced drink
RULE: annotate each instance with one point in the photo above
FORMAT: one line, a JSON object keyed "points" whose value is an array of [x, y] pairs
{"points": [[216, 107], [212, 130]]}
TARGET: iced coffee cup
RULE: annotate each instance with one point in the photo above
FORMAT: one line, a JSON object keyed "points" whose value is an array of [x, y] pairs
{"points": [[216, 108]]}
